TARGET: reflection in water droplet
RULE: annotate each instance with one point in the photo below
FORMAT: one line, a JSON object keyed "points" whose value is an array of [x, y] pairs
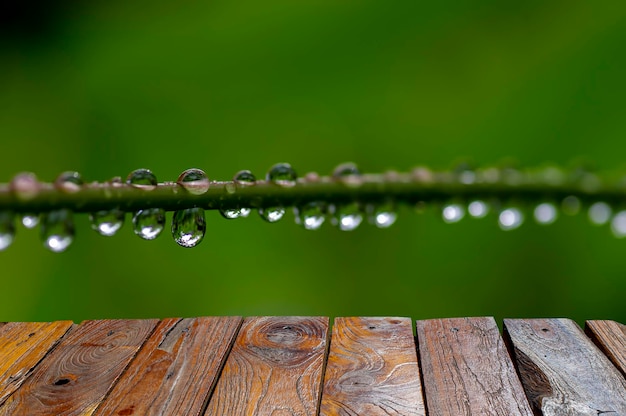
{"points": [[148, 223], [618, 224], [383, 215], [310, 216], [244, 178], [7, 229], [349, 174], [478, 209], [571, 205], [545, 213], [30, 220], [188, 227], [107, 223], [69, 182], [143, 179], [231, 214], [272, 214], [25, 186], [452, 213], [510, 219], [347, 217], [600, 213], [57, 230], [195, 181], [282, 174]]}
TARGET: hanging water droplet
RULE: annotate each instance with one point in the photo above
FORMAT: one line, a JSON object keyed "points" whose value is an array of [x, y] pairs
{"points": [[69, 182], [510, 219], [272, 214], [282, 174], [25, 186], [107, 223], [30, 220], [233, 213], [195, 181], [452, 213], [148, 223], [618, 224], [188, 227], [465, 174], [600, 213], [311, 216], [7, 229], [382, 215], [57, 230], [571, 205], [545, 213], [244, 178], [349, 174], [478, 209], [143, 179], [347, 217]]}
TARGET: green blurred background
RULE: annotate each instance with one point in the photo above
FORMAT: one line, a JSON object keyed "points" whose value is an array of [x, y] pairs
{"points": [[107, 87]]}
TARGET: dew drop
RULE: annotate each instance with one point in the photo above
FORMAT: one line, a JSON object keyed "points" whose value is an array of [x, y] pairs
{"points": [[57, 230], [107, 223], [600, 213], [148, 223], [478, 209], [25, 186], [618, 224], [510, 219], [244, 178], [347, 217], [195, 181], [452, 213], [383, 215], [30, 220], [545, 213], [69, 182], [465, 174], [7, 229], [143, 179], [233, 213], [188, 227], [571, 205], [349, 174], [272, 214], [282, 174], [311, 216]]}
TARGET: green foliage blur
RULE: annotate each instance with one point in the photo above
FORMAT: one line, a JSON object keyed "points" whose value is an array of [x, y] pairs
{"points": [[107, 87]]}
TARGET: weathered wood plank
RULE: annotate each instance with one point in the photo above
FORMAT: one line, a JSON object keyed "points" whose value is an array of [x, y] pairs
{"points": [[610, 337], [563, 373], [372, 369], [467, 370], [275, 368], [77, 374], [175, 370], [22, 346]]}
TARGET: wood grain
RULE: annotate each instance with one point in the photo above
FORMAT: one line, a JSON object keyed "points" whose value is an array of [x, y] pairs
{"points": [[610, 337], [77, 374], [274, 369], [562, 371], [372, 369], [176, 369], [22, 346], [467, 370]]}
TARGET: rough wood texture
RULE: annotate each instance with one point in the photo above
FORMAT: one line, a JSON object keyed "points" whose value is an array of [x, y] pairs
{"points": [[372, 369], [610, 337], [77, 374], [176, 369], [275, 368], [22, 346], [467, 370], [562, 371]]}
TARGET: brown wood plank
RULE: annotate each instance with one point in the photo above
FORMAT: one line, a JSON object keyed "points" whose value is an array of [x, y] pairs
{"points": [[77, 374], [372, 369], [22, 346], [562, 371], [467, 370], [275, 368], [176, 369], [610, 337]]}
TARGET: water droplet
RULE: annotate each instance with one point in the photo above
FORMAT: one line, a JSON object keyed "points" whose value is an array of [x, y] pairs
{"points": [[618, 224], [383, 215], [188, 227], [347, 217], [510, 219], [282, 174], [195, 181], [7, 229], [30, 220], [452, 213], [244, 178], [465, 174], [69, 182], [349, 174], [148, 223], [57, 230], [478, 209], [311, 216], [600, 213], [571, 205], [107, 223], [25, 186], [545, 213], [231, 188], [143, 179], [272, 214], [234, 213]]}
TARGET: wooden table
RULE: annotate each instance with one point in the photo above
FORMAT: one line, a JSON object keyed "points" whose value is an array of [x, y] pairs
{"points": [[286, 366]]}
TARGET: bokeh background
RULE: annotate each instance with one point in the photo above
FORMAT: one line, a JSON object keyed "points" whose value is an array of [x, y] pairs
{"points": [[105, 87]]}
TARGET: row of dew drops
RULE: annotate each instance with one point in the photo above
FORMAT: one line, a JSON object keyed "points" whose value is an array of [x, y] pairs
{"points": [[189, 225]]}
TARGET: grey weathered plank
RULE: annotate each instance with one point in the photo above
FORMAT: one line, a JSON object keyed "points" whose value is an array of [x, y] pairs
{"points": [[610, 337], [372, 369], [467, 370], [562, 371]]}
